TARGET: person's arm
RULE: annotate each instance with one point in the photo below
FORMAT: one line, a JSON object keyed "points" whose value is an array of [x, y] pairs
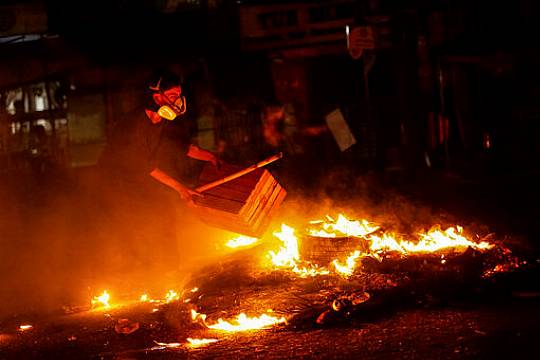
{"points": [[197, 153], [185, 192]]}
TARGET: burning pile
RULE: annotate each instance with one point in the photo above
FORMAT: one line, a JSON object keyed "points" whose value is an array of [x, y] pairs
{"points": [[356, 240], [346, 281], [332, 270]]}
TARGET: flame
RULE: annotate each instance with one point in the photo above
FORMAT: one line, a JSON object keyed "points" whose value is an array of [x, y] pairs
{"points": [[162, 345], [25, 327], [347, 270], [433, 241], [195, 315], [171, 296], [144, 298], [241, 241], [245, 323], [289, 257], [343, 227], [195, 289], [200, 342], [102, 300], [288, 254]]}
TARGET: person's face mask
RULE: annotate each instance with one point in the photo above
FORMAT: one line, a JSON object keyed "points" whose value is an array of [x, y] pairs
{"points": [[172, 109], [172, 100]]}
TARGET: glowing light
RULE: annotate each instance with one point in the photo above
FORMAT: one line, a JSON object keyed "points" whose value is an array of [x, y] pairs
{"points": [[144, 298], [200, 342], [241, 241], [102, 300], [25, 327], [195, 289], [245, 323], [171, 296], [348, 269]]}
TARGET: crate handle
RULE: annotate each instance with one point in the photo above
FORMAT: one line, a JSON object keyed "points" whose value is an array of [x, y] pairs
{"points": [[236, 175]]}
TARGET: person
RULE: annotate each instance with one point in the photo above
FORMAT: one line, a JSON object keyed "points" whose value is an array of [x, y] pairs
{"points": [[166, 136]]}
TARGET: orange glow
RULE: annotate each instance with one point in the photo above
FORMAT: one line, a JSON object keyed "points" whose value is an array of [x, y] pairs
{"points": [[193, 343], [144, 298], [342, 227], [102, 300], [171, 296], [245, 323], [241, 241], [25, 327], [348, 269]]}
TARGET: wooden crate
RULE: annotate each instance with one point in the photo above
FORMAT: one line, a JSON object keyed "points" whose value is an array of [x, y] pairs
{"points": [[244, 205]]}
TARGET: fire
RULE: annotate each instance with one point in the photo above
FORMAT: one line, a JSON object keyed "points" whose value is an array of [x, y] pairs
{"points": [[102, 300], [245, 323], [433, 241], [144, 298], [347, 270], [200, 342], [343, 227], [288, 253], [162, 345], [171, 296], [289, 257], [25, 327], [195, 315], [241, 241]]}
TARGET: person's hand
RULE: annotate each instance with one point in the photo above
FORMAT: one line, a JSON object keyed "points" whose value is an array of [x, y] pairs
{"points": [[215, 161]]}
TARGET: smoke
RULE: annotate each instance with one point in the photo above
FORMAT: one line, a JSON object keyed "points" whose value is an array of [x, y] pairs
{"points": [[66, 237]]}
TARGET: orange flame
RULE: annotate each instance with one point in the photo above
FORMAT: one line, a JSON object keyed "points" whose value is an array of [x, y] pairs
{"points": [[25, 327], [433, 241], [245, 323], [347, 270], [241, 241], [171, 296], [343, 227], [200, 342], [102, 300], [289, 257]]}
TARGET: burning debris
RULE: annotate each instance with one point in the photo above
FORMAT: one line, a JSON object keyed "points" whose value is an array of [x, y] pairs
{"points": [[332, 272]]}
